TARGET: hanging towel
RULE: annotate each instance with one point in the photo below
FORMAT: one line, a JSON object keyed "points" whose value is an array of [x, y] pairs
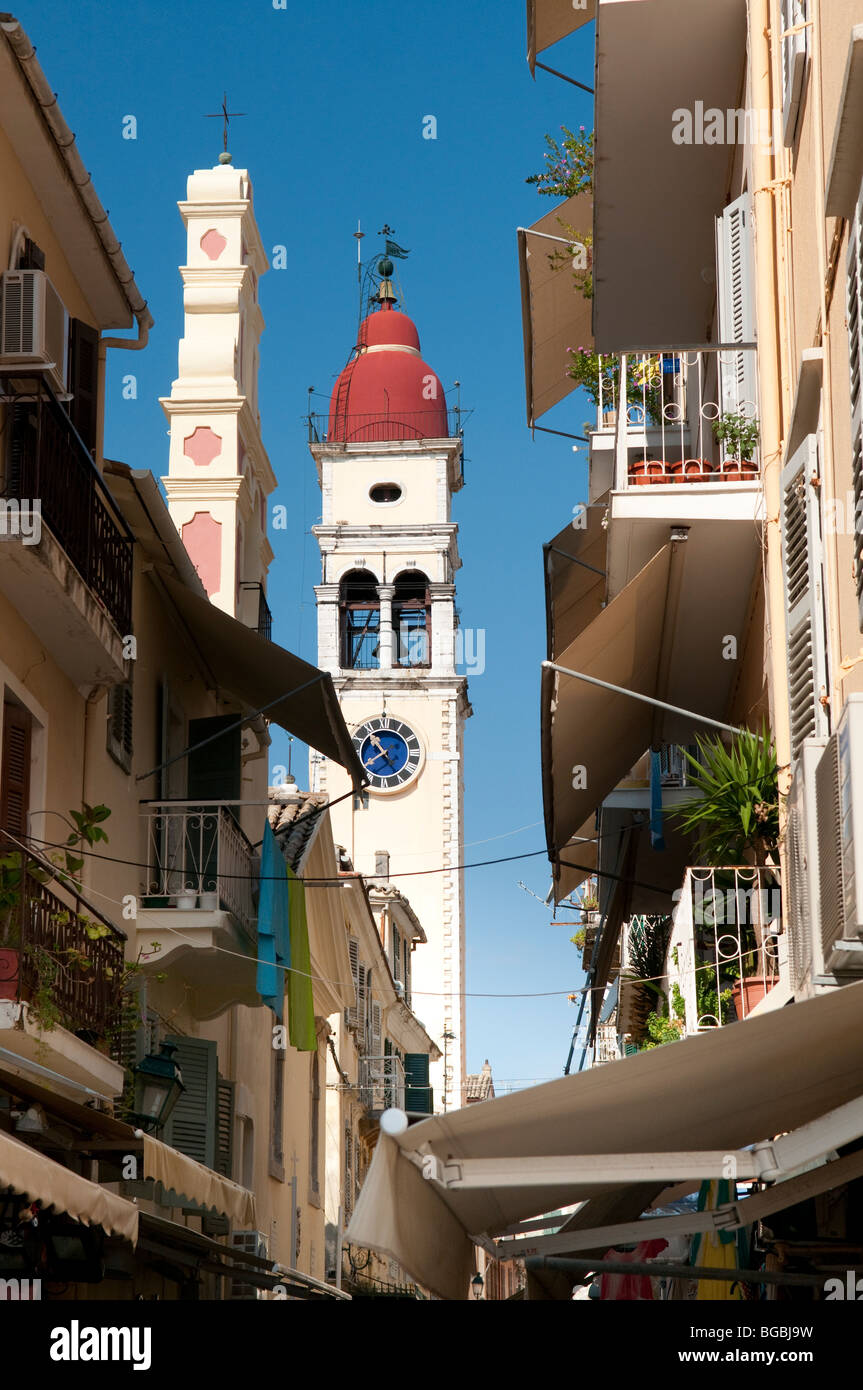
{"points": [[656, 837], [274, 938], [301, 1006]]}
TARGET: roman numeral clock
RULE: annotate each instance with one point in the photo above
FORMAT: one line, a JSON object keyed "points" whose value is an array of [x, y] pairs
{"points": [[390, 752]]}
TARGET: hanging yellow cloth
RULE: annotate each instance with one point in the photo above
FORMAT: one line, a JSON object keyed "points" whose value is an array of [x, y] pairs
{"points": [[716, 1249]]}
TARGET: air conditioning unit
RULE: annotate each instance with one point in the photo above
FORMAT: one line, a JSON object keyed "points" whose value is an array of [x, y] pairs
{"points": [[801, 883], [34, 326], [251, 1243], [839, 791]]}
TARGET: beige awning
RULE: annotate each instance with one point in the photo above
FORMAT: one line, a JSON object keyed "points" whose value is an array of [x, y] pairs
{"points": [[33, 1175], [555, 315], [575, 579], [258, 672], [581, 850], [718, 1092], [591, 736], [187, 1178], [549, 21]]}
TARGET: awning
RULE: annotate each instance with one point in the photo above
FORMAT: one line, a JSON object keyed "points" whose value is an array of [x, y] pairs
{"points": [[583, 850], [591, 736], [549, 21], [662, 242], [33, 1175], [554, 314], [685, 1106], [575, 579], [187, 1178], [258, 672]]}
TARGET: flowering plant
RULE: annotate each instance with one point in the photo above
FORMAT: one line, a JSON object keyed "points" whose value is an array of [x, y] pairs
{"points": [[569, 171], [600, 377]]}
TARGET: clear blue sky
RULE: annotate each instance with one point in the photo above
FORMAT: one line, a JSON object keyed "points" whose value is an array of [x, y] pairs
{"points": [[335, 95]]}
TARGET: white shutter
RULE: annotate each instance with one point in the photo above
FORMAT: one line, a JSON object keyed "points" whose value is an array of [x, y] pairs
{"points": [[362, 1003], [804, 594], [376, 1046], [855, 364], [736, 303], [794, 51]]}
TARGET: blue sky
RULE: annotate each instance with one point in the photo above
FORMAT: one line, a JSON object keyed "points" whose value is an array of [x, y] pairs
{"points": [[336, 95]]}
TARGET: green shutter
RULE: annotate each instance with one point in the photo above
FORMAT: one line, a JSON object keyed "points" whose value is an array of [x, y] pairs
{"points": [[214, 771], [418, 1093], [192, 1126], [224, 1127]]}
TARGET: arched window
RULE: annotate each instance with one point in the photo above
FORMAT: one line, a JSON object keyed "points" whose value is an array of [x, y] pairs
{"points": [[412, 619], [360, 611]]}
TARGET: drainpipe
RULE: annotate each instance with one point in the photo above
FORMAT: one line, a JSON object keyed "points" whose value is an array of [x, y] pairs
{"points": [[769, 382]]}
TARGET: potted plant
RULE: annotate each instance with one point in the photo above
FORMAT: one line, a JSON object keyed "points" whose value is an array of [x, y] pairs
{"points": [[690, 470], [738, 436]]}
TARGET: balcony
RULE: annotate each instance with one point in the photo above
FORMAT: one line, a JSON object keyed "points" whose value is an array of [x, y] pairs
{"points": [[255, 611], [608, 1046], [65, 550], [61, 977], [724, 954], [200, 901], [376, 428], [381, 1083]]}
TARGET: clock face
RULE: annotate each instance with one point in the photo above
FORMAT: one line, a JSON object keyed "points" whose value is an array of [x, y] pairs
{"points": [[390, 752]]}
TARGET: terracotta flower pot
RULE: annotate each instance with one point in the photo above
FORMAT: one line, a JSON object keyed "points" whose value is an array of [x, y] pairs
{"points": [[739, 471], [746, 993], [644, 471], [10, 961], [691, 470]]}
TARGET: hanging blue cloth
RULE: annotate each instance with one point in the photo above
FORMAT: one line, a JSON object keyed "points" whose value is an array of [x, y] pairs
{"points": [[657, 840], [274, 940]]}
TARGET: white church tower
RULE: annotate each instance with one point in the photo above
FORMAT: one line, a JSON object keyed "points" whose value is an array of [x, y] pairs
{"points": [[219, 475], [388, 465]]}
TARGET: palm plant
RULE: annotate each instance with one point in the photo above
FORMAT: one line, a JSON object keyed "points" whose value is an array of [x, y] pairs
{"points": [[735, 819]]}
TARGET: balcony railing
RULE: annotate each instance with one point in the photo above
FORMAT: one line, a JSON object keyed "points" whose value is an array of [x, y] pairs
{"points": [[48, 462], [68, 958], [608, 1046], [200, 858], [382, 1082], [255, 611], [723, 952], [435, 423], [665, 406]]}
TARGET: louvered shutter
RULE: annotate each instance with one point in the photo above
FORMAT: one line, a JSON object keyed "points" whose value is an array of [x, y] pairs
{"points": [[224, 1163], [376, 1018], [735, 292], [804, 594], [794, 51], [855, 363], [362, 1001], [349, 1176], [418, 1095], [84, 381], [15, 770], [120, 724], [192, 1126], [351, 1012]]}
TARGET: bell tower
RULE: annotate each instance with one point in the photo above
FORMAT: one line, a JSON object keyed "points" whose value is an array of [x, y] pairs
{"points": [[219, 475], [389, 463]]}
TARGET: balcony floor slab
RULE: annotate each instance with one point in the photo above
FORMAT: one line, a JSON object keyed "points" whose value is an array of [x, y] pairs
{"points": [[208, 949], [59, 1050]]}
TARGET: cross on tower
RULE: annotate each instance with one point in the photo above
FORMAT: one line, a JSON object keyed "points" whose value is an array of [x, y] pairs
{"points": [[224, 115]]}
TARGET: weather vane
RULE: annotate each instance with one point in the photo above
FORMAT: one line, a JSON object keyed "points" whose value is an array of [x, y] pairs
{"points": [[224, 115]]}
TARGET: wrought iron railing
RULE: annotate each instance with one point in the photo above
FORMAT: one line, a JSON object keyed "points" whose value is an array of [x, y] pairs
{"points": [[382, 1082], [48, 461], [608, 1046], [259, 616], [69, 958], [200, 858], [723, 954], [664, 406], [438, 422]]}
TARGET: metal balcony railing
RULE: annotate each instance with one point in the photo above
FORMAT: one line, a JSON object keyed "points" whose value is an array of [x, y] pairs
{"points": [[382, 1082], [200, 858], [69, 956], [48, 462], [255, 611], [437, 422], [608, 1046], [663, 407], [723, 951]]}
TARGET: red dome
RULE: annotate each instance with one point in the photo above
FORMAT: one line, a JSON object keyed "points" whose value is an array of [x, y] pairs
{"points": [[387, 391]]}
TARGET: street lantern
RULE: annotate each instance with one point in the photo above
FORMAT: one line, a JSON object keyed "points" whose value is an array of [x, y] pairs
{"points": [[477, 1285], [158, 1087]]}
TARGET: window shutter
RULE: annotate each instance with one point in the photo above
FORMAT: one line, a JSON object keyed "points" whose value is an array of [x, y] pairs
{"points": [[120, 724], [224, 1127], [376, 1030], [735, 291], [84, 381], [362, 1004], [348, 1206], [192, 1126], [855, 364], [352, 1011], [214, 771], [32, 257], [15, 769], [418, 1094], [804, 598], [794, 51]]}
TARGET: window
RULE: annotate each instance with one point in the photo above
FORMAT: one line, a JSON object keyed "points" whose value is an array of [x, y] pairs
{"points": [[395, 954], [411, 619], [120, 724], [315, 1127], [855, 367], [15, 769], [348, 1203], [84, 381], [795, 48], [360, 612], [385, 492], [31, 256], [277, 1116]]}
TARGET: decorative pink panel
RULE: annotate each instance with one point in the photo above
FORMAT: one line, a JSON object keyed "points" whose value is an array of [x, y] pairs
{"points": [[202, 537], [213, 244], [202, 446]]}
